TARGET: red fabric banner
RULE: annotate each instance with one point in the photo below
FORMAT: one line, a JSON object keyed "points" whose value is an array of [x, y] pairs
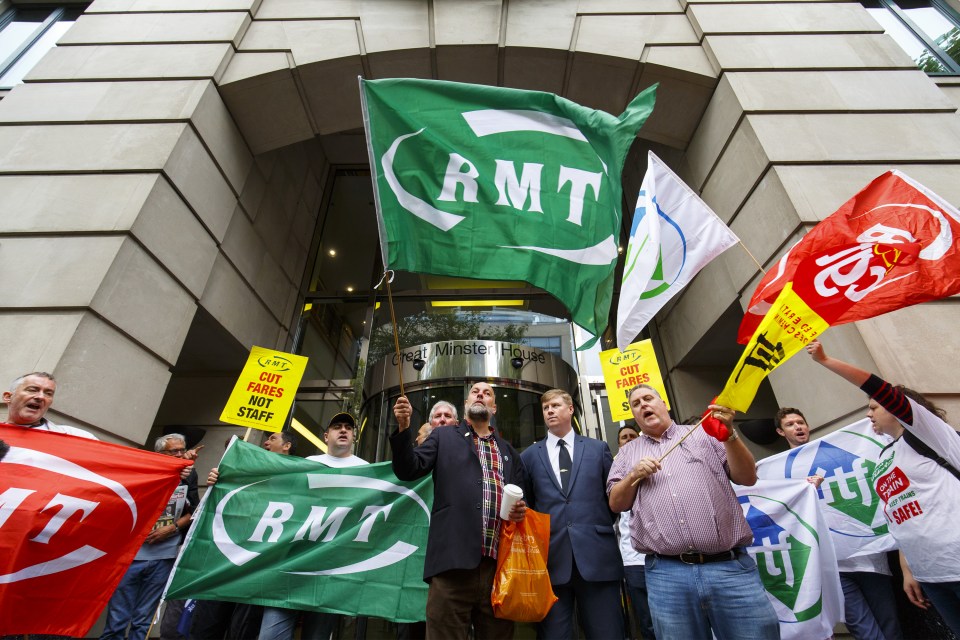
{"points": [[73, 513], [892, 210]]}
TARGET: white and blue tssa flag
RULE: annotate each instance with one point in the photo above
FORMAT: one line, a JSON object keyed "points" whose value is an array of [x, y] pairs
{"points": [[846, 460], [795, 556], [674, 235]]}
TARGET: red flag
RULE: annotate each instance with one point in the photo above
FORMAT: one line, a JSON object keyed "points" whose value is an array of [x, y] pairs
{"points": [[891, 210], [73, 513]]}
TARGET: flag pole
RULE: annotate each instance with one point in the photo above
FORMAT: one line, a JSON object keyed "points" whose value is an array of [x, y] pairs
{"points": [[755, 261], [679, 442], [388, 278]]}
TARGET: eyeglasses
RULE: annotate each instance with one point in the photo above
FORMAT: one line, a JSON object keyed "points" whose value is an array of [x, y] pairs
{"points": [[174, 452]]}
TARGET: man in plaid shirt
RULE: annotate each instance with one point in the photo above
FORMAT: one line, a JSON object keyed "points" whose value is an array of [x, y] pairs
{"points": [[471, 463]]}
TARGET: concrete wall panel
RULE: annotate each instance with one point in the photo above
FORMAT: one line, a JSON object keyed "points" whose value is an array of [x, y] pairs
{"points": [[70, 203], [105, 147], [905, 342], [137, 28], [65, 271], [102, 101], [174, 235], [231, 302], [625, 36], [778, 17], [142, 6], [34, 341], [802, 51], [308, 40], [473, 23], [130, 62], [109, 381], [142, 300], [193, 173]]}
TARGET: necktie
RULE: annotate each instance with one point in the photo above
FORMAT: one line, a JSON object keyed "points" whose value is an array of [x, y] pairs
{"points": [[564, 466]]}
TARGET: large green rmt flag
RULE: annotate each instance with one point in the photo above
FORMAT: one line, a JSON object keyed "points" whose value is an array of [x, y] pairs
{"points": [[286, 532], [486, 182]]}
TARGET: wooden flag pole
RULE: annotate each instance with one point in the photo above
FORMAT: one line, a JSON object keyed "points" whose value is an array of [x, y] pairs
{"points": [[679, 442], [755, 261], [388, 278]]}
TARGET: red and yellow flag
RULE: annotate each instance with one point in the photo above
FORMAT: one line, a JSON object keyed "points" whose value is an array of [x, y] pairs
{"points": [[893, 210], [825, 287]]}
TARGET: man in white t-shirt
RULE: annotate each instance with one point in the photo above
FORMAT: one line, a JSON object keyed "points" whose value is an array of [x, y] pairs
{"points": [[278, 624], [869, 604], [632, 559], [29, 398]]}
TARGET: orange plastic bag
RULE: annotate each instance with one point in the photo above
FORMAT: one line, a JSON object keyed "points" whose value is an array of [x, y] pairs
{"points": [[521, 588]]}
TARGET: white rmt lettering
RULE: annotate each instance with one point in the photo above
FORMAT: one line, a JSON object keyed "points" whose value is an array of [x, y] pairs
{"points": [[10, 500], [273, 518], [514, 191], [69, 505], [455, 175], [579, 181], [367, 519], [316, 525]]}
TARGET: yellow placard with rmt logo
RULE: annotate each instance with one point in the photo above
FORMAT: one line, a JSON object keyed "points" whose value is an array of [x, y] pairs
{"points": [[622, 371], [263, 395]]}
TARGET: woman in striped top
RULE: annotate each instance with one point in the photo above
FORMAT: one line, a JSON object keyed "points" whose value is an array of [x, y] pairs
{"points": [[920, 490]]}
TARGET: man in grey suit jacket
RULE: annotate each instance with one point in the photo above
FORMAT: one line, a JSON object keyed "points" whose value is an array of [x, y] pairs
{"points": [[569, 482]]}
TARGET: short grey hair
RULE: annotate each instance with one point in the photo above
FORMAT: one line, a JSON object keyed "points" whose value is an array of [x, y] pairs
{"points": [[40, 374], [443, 403], [642, 386], [161, 442]]}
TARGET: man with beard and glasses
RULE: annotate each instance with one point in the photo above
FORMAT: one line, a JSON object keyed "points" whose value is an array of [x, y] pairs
{"points": [[471, 463]]}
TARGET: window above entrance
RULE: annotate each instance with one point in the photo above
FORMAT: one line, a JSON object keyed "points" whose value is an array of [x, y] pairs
{"points": [[928, 30]]}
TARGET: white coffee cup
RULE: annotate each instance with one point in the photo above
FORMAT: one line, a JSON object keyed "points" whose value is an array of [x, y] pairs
{"points": [[511, 494]]}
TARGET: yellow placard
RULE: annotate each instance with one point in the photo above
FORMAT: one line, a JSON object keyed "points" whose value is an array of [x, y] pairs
{"points": [[788, 327], [622, 371], [263, 395]]}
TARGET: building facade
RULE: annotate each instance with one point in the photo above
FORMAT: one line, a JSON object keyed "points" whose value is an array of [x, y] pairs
{"points": [[182, 179]]}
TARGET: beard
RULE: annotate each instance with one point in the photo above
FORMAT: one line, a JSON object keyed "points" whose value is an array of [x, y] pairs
{"points": [[478, 412]]}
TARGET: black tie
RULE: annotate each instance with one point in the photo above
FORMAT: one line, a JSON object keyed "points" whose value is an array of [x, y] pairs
{"points": [[564, 466]]}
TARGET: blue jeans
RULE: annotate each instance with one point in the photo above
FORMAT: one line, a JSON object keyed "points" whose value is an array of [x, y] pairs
{"points": [[637, 590], [727, 599], [278, 624], [869, 606], [136, 598], [945, 597]]}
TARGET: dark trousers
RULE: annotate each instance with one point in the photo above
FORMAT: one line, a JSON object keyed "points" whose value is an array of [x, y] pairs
{"points": [[219, 620], [460, 597], [637, 590], [870, 606], [597, 605]]}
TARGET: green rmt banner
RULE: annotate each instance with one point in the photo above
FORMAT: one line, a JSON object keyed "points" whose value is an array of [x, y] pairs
{"points": [[492, 183], [286, 532]]}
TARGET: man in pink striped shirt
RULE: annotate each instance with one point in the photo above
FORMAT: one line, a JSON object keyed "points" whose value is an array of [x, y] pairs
{"points": [[688, 522]]}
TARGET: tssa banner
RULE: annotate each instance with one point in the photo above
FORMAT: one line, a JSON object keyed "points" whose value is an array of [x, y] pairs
{"points": [[282, 531], [794, 555], [846, 460]]}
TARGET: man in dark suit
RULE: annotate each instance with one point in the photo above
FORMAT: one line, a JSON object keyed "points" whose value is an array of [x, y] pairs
{"points": [[470, 463], [567, 478]]}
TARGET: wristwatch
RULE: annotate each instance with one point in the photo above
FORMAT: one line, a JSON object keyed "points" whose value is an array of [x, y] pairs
{"points": [[734, 436]]}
